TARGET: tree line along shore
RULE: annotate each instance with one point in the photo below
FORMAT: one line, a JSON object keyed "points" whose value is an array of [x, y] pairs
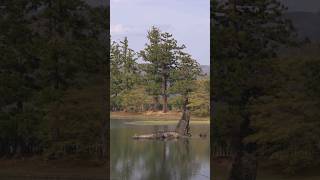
{"points": [[265, 89], [160, 77], [53, 79]]}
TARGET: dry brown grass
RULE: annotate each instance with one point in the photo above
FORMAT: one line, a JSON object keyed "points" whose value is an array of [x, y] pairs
{"points": [[150, 115]]}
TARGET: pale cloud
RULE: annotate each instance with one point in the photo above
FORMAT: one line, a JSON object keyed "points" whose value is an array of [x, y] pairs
{"points": [[118, 29]]}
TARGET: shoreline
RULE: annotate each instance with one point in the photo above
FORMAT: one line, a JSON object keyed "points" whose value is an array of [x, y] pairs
{"points": [[154, 116]]}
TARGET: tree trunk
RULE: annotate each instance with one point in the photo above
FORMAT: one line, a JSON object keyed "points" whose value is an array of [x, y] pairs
{"points": [[183, 125], [185, 103], [187, 117], [155, 106], [164, 94], [165, 103], [244, 166]]}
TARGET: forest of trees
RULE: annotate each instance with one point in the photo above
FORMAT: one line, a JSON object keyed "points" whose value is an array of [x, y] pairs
{"points": [[167, 78], [53, 78], [53, 82], [265, 91]]}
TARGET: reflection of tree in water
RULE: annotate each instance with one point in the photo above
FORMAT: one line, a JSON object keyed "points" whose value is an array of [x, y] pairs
{"points": [[172, 160], [151, 159], [120, 160]]}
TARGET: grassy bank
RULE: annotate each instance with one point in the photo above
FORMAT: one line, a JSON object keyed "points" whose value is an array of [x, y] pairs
{"points": [[154, 116]]}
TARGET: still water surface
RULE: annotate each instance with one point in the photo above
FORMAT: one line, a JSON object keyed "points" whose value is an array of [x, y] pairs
{"points": [[156, 159]]}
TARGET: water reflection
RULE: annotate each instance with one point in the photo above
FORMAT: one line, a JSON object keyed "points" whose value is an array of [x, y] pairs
{"points": [[149, 159]]}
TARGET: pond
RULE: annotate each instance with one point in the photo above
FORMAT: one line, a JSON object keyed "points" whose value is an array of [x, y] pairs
{"points": [[187, 159]]}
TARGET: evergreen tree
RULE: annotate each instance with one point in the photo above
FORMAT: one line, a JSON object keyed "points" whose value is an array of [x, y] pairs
{"points": [[152, 81], [20, 118], [285, 119], [125, 73], [245, 35], [130, 71], [115, 76], [162, 52], [153, 77], [50, 48], [184, 77]]}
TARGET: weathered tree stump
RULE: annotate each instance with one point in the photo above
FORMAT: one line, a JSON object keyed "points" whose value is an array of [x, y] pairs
{"points": [[183, 126], [182, 130]]}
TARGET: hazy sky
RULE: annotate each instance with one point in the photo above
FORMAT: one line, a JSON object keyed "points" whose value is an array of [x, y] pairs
{"points": [[187, 20]]}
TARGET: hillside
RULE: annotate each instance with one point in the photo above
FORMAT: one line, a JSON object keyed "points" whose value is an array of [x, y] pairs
{"points": [[205, 69]]}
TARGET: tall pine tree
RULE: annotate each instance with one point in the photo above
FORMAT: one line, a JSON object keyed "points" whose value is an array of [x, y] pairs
{"points": [[162, 52], [246, 33]]}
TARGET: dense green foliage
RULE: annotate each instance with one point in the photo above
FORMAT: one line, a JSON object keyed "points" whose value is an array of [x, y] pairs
{"points": [[162, 53], [263, 104], [168, 72], [286, 117], [124, 74], [199, 98], [52, 76]]}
